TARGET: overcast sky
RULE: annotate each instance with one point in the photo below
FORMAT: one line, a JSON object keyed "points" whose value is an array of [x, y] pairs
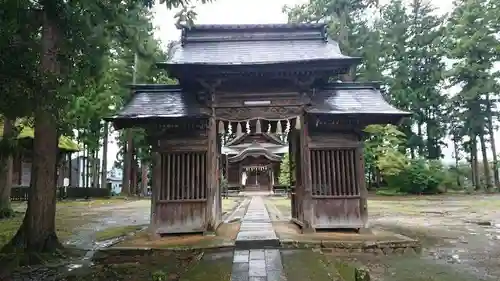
{"points": [[236, 12]]}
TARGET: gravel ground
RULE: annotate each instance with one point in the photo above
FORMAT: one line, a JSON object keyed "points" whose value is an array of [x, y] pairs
{"points": [[460, 234]]}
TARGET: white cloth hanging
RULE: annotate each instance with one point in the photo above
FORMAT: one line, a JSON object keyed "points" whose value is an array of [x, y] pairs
{"points": [[271, 172], [243, 178]]}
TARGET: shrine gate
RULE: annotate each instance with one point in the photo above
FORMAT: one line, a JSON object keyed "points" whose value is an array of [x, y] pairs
{"points": [[268, 76]]}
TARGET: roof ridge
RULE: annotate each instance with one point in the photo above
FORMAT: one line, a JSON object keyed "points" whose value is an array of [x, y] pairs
{"points": [[237, 27], [253, 32]]}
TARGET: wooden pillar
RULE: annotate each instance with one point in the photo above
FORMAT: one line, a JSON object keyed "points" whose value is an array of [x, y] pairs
{"points": [[156, 185], [306, 176], [211, 219], [363, 192]]}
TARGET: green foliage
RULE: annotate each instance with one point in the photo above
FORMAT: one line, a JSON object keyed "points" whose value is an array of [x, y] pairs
{"points": [[224, 184], [346, 27], [284, 177], [382, 149], [159, 275], [24, 132], [404, 44], [419, 177]]}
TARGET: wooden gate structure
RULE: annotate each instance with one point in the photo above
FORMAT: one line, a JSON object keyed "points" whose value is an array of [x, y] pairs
{"points": [[274, 75]]}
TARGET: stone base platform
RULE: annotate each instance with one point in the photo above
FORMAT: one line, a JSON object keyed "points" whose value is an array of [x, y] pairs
{"points": [[375, 241], [224, 237]]}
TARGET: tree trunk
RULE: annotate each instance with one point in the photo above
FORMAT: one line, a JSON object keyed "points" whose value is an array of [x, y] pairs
{"points": [[84, 166], [134, 172], [104, 167], [474, 163], [491, 130], [420, 136], [144, 178], [37, 232], [486, 164], [127, 161], [457, 161], [6, 170], [95, 170]]}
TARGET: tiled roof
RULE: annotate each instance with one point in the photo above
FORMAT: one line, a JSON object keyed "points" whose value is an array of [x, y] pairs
{"points": [[352, 98], [255, 44], [161, 101], [236, 150], [255, 149]]}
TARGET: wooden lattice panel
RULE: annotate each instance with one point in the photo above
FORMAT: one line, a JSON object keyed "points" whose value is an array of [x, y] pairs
{"points": [[334, 172], [184, 176]]}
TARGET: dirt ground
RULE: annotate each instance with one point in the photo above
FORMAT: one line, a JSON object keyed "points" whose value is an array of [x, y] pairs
{"points": [[460, 234], [82, 223]]}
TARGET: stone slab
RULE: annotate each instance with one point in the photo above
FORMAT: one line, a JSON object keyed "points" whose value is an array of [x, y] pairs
{"points": [[257, 234]]}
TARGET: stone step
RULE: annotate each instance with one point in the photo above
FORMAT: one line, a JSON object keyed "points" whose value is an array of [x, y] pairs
{"points": [[261, 264], [256, 241], [256, 230]]}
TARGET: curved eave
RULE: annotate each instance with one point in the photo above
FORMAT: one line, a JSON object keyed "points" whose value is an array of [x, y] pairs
{"points": [[337, 65], [254, 153], [125, 122], [366, 118]]}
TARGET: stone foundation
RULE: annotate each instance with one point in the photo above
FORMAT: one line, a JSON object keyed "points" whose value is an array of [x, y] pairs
{"points": [[377, 248]]}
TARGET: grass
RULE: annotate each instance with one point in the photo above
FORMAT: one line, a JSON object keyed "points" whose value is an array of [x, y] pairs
{"points": [[210, 268], [282, 204], [168, 266], [171, 266], [228, 204], [390, 192], [69, 216], [406, 268], [115, 232], [306, 265], [66, 221]]}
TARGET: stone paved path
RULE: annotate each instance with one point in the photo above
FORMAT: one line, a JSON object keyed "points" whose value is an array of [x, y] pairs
{"points": [[257, 257], [256, 230]]}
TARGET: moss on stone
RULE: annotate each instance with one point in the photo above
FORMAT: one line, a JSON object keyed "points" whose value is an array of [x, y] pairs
{"points": [[115, 232], [210, 269]]}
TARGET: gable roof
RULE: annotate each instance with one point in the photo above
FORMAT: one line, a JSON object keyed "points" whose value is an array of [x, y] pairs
{"points": [[255, 44], [353, 98], [160, 102]]}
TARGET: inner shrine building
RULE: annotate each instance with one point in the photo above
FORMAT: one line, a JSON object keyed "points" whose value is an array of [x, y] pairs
{"points": [[253, 158], [240, 86]]}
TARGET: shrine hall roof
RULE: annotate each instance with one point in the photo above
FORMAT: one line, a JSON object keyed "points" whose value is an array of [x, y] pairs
{"points": [[255, 150], [271, 138], [169, 101], [161, 101], [255, 44], [352, 98]]}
